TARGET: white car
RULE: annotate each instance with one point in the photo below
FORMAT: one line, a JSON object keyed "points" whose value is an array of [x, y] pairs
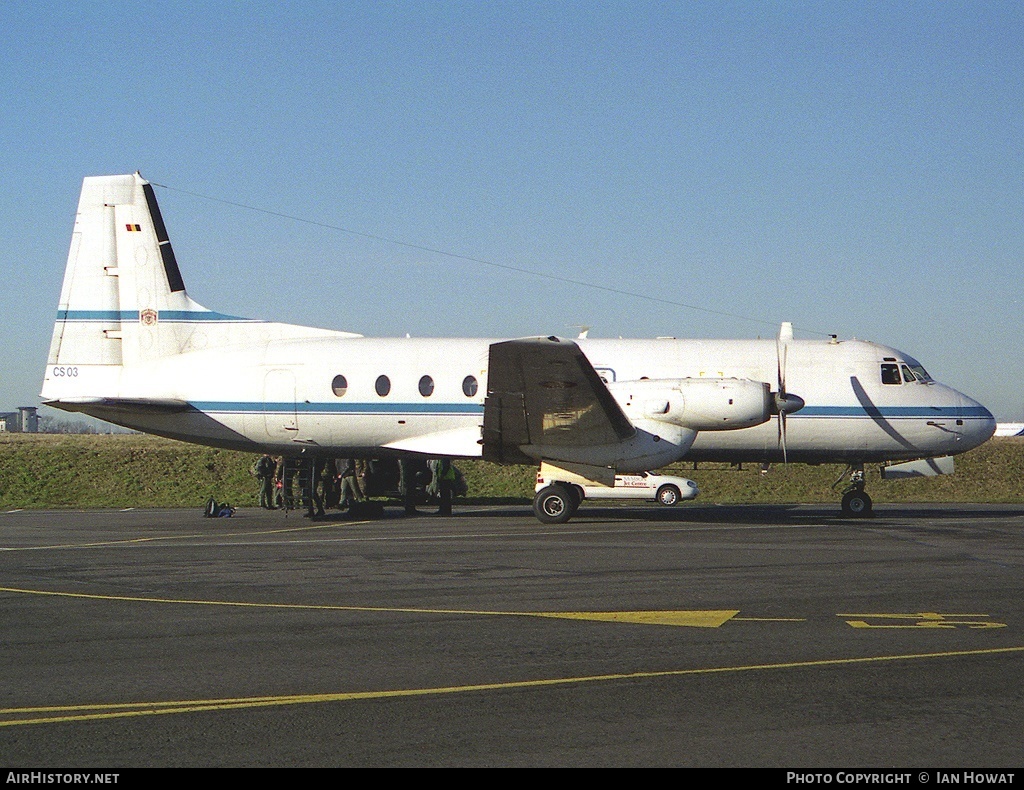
{"points": [[664, 489]]}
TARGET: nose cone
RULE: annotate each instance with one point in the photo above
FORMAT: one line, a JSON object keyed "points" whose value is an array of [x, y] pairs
{"points": [[978, 424]]}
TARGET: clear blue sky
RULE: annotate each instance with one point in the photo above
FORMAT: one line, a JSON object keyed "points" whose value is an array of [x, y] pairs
{"points": [[851, 167]]}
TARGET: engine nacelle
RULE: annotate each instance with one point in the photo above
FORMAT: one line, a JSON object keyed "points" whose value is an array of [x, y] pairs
{"points": [[699, 404]]}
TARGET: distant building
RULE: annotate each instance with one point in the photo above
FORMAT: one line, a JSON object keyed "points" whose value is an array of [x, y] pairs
{"points": [[29, 419], [24, 420]]}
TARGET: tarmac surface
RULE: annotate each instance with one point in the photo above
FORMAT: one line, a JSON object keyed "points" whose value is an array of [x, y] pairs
{"points": [[778, 636]]}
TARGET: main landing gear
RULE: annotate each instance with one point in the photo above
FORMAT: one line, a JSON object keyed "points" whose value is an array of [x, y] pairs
{"points": [[856, 502], [556, 503]]}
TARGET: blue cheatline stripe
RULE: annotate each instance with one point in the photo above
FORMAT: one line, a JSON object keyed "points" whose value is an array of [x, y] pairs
{"points": [[250, 407], [97, 315], [177, 316], [386, 407], [196, 315]]}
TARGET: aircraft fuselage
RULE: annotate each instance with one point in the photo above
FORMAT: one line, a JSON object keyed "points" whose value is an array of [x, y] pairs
{"points": [[283, 397]]}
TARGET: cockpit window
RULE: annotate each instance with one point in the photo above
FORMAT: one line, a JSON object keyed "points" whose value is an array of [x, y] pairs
{"points": [[920, 373], [891, 374], [907, 375]]}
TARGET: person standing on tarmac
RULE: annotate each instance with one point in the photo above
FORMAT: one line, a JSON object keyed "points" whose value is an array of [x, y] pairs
{"points": [[330, 483], [443, 484], [407, 485], [310, 470], [264, 470], [350, 490], [285, 480]]}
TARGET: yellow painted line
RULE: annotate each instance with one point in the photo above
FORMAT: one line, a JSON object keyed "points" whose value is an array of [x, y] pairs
{"points": [[697, 619], [221, 536], [248, 604], [124, 542], [124, 710], [700, 619], [284, 530]]}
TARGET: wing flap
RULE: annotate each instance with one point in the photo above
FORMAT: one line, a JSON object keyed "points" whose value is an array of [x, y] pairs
{"points": [[544, 391]]}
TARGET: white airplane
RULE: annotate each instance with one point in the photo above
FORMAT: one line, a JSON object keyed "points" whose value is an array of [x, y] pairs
{"points": [[1010, 429], [130, 347]]}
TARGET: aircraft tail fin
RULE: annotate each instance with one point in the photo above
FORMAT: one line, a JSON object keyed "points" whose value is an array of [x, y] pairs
{"points": [[121, 279], [123, 302]]}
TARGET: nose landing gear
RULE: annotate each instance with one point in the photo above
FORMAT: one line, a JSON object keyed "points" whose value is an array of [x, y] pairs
{"points": [[856, 503]]}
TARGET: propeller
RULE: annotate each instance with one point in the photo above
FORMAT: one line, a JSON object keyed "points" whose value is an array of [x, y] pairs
{"points": [[783, 403]]}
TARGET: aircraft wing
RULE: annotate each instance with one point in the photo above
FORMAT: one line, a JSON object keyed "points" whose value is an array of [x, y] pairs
{"points": [[544, 391]]}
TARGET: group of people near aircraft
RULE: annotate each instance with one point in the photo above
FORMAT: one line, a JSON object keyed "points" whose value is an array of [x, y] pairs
{"points": [[318, 484]]}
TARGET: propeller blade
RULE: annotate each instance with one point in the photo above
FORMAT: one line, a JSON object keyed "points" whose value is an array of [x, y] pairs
{"points": [[782, 437], [783, 402], [780, 395], [780, 356]]}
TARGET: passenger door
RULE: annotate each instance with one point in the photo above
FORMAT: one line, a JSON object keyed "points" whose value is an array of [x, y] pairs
{"points": [[279, 412]]}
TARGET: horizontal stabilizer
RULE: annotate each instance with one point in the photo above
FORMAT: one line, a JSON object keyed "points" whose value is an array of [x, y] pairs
{"points": [[130, 405]]}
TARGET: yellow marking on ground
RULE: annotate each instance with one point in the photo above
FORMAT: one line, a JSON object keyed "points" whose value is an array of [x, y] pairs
{"points": [[923, 620], [700, 619], [303, 528], [913, 616], [697, 619], [123, 542], [220, 535], [770, 619], [123, 710], [245, 604]]}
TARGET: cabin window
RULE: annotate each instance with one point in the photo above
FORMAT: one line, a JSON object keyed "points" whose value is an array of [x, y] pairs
{"points": [[891, 374], [382, 385], [339, 385], [426, 386], [469, 386]]}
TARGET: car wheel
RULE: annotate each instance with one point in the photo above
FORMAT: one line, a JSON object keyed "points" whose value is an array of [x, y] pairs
{"points": [[668, 495], [554, 504], [856, 503]]}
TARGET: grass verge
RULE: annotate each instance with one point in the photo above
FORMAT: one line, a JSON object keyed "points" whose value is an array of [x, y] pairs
{"points": [[115, 471]]}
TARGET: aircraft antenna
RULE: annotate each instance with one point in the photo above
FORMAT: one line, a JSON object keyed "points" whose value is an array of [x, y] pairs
{"points": [[482, 261]]}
